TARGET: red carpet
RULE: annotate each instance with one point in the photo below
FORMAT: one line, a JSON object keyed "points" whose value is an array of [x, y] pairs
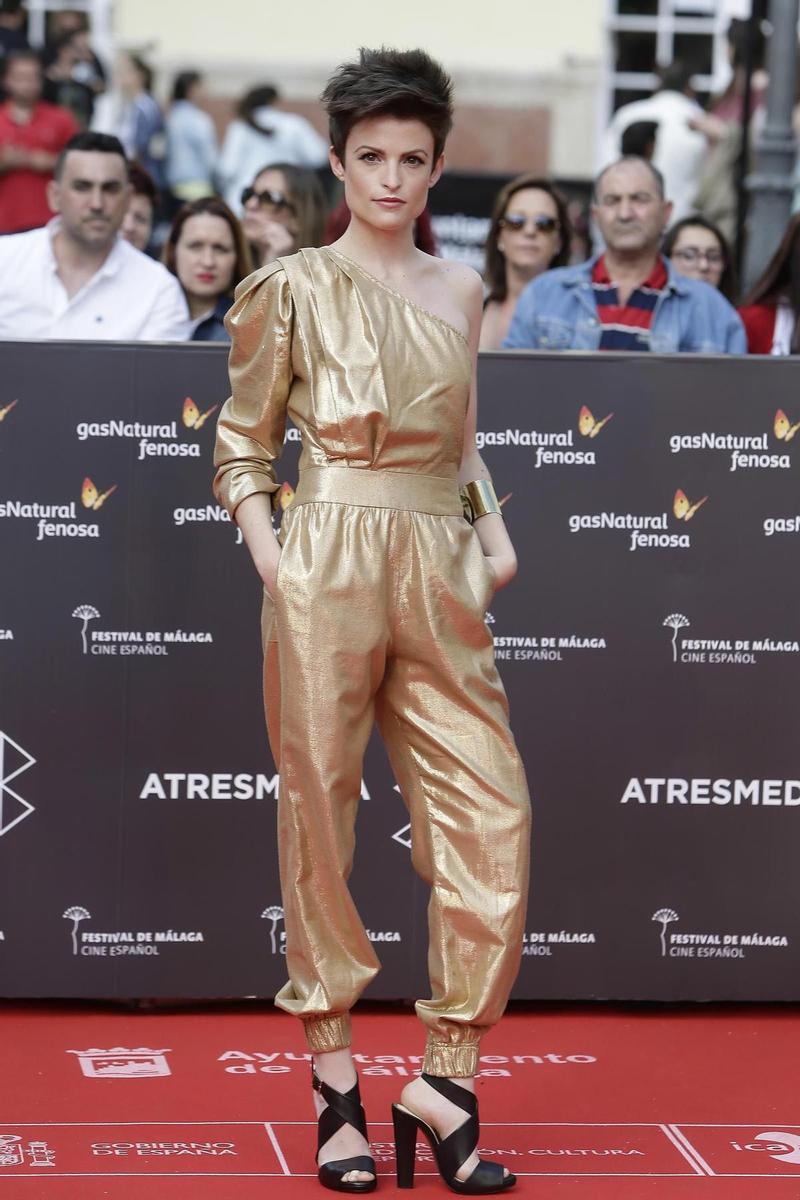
{"points": [[589, 1103]]}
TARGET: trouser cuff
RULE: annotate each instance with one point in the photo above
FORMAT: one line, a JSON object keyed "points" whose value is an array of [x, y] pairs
{"points": [[324, 1034], [448, 1059]]}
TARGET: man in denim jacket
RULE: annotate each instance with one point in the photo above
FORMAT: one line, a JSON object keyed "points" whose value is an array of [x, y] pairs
{"points": [[629, 298]]}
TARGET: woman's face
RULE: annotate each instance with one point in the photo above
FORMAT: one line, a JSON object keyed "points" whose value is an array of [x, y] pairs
{"points": [[387, 170], [137, 227], [205, 256], [530, 232], [697, 253], [270, 201]]}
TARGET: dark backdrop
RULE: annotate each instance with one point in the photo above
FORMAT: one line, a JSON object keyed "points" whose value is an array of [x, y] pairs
{"points": [[651, 663]]}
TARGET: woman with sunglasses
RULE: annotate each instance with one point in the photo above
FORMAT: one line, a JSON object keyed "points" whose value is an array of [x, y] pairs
{"points": [[699, 249], [283, 210], [530, 233], [375, 598]]}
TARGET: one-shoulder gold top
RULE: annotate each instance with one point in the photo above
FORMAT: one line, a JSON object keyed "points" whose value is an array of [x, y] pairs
{"points": [[372, 380]]}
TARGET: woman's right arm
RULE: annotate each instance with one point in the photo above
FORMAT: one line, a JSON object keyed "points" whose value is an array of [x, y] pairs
{"points": [[254, 518], [252, 423]]}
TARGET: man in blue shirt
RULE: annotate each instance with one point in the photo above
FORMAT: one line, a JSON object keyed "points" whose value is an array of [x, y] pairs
{"points": [[629, 297]]}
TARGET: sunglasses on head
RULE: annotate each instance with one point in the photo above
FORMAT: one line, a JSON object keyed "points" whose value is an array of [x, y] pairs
{"points": [[517, 222], [267, 198]]}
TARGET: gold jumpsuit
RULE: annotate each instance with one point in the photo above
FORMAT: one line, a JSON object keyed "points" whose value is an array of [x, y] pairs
{"points": [[378, 613]]}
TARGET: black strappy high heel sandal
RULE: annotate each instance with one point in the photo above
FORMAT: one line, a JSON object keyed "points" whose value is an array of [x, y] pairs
{"points": [[451, 1152], [344, 1108]]}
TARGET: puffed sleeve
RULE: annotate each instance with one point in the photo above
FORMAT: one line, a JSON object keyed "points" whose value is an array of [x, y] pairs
{"points": [[252, 423]]}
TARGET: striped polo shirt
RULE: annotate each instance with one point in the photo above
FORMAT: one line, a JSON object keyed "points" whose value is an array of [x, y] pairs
{"points": [[627, 326]]}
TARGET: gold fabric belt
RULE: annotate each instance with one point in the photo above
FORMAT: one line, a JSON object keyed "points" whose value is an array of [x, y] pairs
{"points": [[432, 494]]}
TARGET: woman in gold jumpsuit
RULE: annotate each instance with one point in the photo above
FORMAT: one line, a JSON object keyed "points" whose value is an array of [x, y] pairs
{"points": [[374, 609]]}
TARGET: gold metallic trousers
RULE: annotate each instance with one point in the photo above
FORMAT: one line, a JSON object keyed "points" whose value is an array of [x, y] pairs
{"points": [[379, 614]]}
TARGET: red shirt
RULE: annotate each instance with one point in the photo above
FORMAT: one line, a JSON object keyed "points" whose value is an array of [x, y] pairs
{"points": [[627, 326], [23, 193]]}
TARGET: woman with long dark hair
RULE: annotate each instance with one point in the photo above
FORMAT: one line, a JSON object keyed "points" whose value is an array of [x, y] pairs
{"points": [[261, 134], [699, 249], [771, 309], [283, 210], [207, 251], [375, 599], [530, 233]]}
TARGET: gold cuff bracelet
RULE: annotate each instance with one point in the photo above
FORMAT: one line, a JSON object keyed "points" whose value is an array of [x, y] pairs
{"points": [[478, 498]]}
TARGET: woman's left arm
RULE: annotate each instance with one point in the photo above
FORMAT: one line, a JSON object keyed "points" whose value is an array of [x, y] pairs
{"points": [[491, 528]]}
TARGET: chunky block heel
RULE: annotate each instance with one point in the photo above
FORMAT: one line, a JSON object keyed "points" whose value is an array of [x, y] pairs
{"points": [[405, 1142], [451, 1152]]}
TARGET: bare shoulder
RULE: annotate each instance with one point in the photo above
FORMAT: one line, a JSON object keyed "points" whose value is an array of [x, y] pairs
{"points": [[464, 283]]}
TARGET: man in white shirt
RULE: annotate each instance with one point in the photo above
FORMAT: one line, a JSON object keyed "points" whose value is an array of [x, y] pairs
{"points": [[77, 278], [680, 150]]}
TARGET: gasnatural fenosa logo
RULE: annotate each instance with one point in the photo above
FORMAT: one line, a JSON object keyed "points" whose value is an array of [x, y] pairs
{"points": [[782, 427], [552, 447], [682, 507], [192, 417], [92, 498], [649, 531], [588, 426]]}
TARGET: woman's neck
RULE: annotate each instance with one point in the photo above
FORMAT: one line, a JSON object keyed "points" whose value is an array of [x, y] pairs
{"points": [[384, 254], [517, 280]]}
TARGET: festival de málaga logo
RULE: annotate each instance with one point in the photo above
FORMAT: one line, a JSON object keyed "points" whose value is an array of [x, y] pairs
{"points": [[712, 944], [115, 942], [748, 451], [713, 650], [148, 642]]}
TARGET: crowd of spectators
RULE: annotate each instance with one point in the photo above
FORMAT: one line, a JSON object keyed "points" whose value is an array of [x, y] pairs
{"points": [[97, 183]]}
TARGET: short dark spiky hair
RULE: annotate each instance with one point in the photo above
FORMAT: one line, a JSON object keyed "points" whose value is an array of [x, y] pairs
{"points": [[96, 143], [407, 84]]}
